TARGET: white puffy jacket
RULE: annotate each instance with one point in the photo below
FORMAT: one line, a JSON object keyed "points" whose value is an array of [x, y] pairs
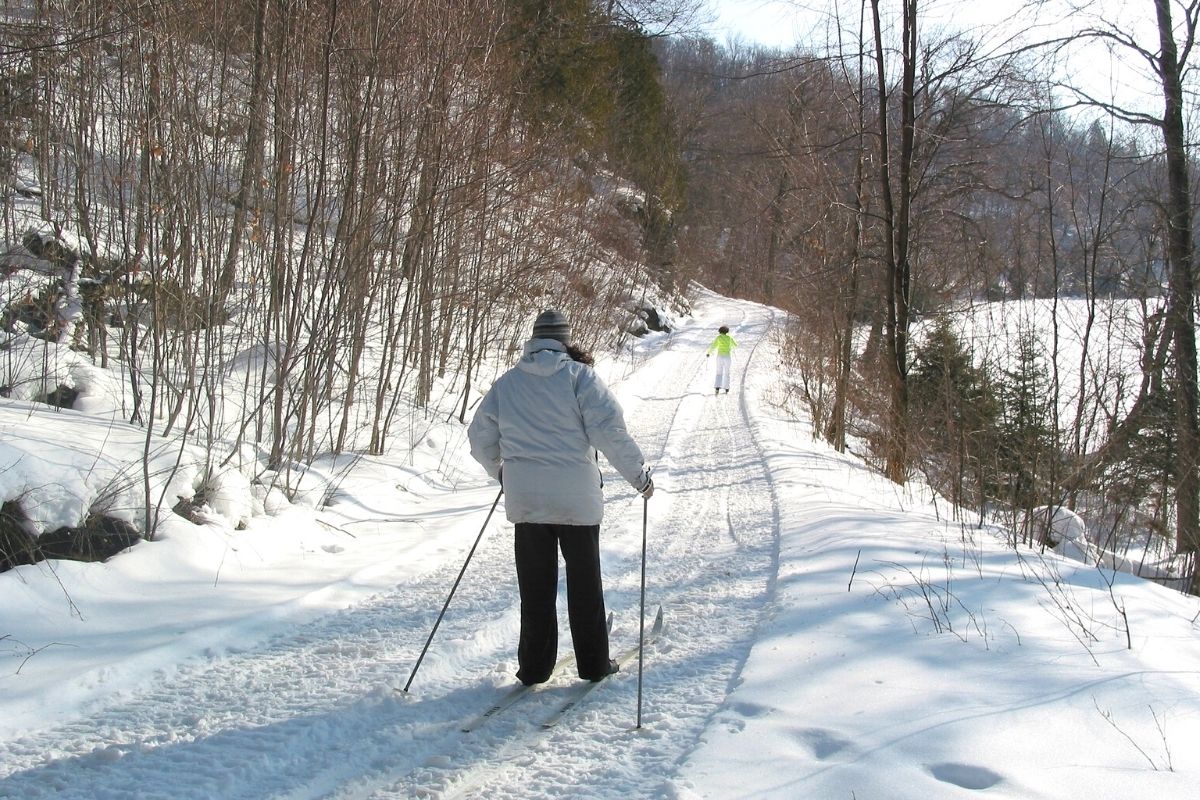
{"points": [[542, 422]]}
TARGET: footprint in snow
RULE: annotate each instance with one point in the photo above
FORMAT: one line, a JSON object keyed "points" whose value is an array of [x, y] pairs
{"points": [[968, 776], [823, 743]]}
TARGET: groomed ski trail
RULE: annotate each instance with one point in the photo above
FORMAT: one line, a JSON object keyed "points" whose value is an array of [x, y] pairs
{"points": [[311, 712], [712, 558]]}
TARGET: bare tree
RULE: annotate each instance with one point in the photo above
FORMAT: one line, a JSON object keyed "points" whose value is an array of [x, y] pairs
{"points": [[1166, 58], [896, 199]]}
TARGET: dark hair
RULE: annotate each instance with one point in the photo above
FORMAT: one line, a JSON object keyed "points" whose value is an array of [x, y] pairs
{"points": [[579, 354], [723, 329]]}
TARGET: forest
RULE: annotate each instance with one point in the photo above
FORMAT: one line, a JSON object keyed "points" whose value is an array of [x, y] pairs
{"points": [[284, 225], [886, 186]]}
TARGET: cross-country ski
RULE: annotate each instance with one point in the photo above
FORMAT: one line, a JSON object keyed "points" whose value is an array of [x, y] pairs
{"points": [[624, 661], [516, 693]]}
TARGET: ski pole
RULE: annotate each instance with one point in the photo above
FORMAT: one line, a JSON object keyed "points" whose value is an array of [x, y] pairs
{"points": [[642, 611], [453, 589]]}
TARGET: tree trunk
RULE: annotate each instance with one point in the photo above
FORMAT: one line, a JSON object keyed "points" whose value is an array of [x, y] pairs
{"points": [[1181, 292], [253, 158], [897, 205], [836, 434]]}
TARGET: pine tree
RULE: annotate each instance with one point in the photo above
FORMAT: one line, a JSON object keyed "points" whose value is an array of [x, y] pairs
{"points": [[953, 411], [595, 80], [1026, 438]]}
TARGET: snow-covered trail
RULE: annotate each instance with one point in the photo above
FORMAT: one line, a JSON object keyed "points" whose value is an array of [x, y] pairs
{"points": [[312, 712], [711, 560]]}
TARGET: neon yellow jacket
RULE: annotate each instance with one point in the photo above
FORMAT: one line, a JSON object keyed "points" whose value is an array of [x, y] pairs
{"points": [[723, 344]]}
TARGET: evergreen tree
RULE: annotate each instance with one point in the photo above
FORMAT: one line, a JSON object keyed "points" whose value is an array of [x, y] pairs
{"points": [[954, 411], [595, 80], [1025, 453], [561, 62]]}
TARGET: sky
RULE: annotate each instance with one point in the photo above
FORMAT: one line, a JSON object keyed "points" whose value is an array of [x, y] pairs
{"points": [[783, 22], [828, 634], [1103, 73], [774, 24]]}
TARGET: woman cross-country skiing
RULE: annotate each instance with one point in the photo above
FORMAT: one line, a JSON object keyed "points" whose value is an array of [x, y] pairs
{"points": [[723, 345], [537, 431]]}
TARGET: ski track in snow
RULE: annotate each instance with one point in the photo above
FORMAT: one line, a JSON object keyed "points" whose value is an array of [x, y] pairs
{"points": [[313, 711]]}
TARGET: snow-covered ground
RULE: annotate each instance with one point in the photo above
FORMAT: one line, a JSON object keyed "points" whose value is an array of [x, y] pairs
{"points": [[828, 634]]}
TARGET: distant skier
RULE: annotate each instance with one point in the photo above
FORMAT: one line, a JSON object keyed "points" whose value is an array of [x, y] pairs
{"points": [[723, 345], [537, 431]]}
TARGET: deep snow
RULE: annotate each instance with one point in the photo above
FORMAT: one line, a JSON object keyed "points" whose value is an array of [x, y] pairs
{"points": [[829, 635]]}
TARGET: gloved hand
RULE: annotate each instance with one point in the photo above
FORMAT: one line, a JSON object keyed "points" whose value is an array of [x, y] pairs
{"points": [[648, 490]]}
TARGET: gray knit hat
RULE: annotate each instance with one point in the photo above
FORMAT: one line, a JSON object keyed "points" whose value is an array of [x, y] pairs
{"points": [[550, 324]]}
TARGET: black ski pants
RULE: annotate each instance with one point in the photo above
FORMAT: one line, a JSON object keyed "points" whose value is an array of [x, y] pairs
{"points": [[537, 546]]}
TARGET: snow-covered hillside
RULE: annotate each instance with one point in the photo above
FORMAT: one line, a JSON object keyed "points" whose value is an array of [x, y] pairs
{"points": [[828, 634]]}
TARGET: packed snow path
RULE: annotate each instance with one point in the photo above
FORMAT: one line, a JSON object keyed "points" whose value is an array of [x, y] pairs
{"points": [[313, 712]]}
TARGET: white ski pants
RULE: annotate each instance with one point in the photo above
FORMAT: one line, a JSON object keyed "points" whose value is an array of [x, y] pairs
{"points": [[722, 371]]}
